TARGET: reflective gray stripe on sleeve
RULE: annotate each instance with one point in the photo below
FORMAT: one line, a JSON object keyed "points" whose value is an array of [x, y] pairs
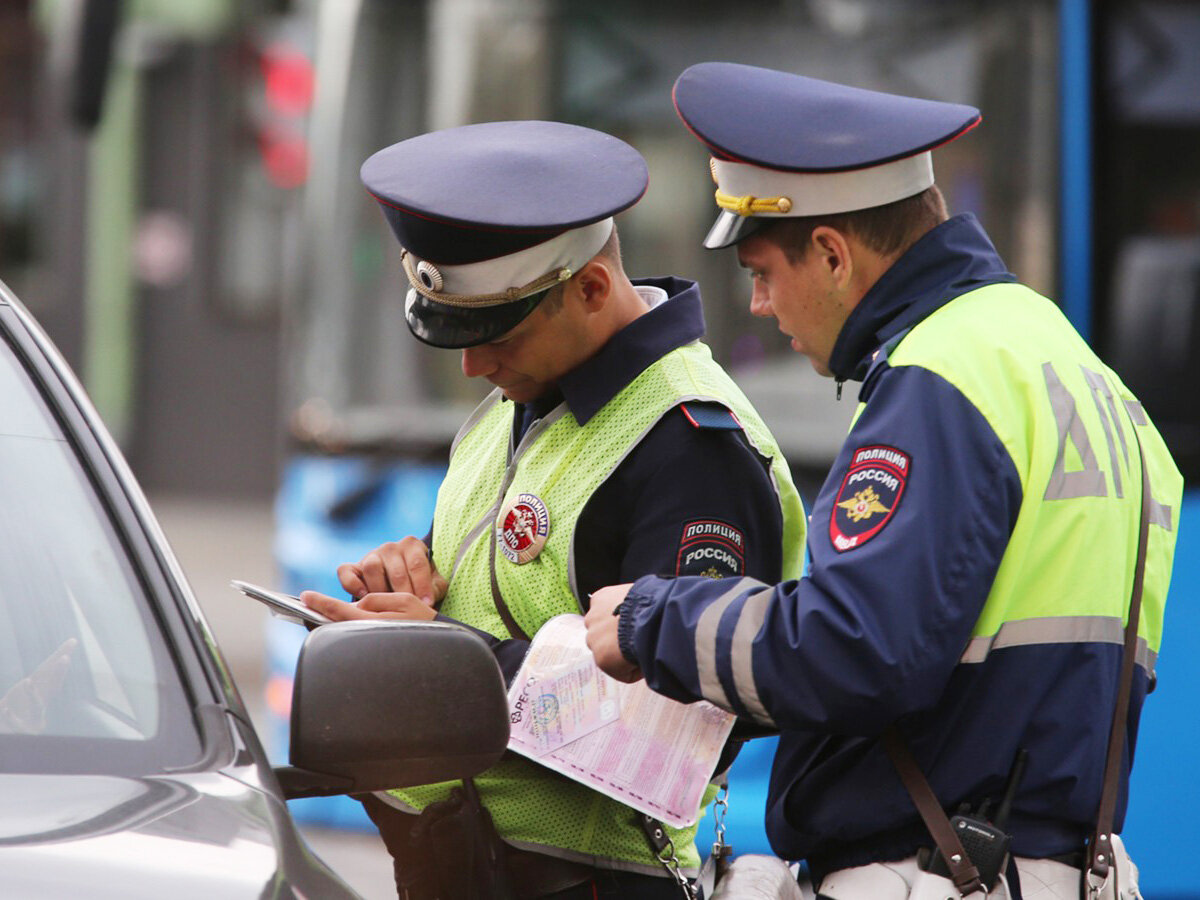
{"points": [[1060, 630], [749, 623], [706, 643]]}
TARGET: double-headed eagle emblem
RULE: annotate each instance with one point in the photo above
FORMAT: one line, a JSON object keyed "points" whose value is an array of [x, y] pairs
{"points": [[863, 505]]}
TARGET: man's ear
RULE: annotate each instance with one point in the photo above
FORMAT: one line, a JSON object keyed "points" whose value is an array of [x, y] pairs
{"points": [[833, 250], [596, 283]]}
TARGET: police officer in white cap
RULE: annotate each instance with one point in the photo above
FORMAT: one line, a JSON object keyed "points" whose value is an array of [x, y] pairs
{"points": [[612, 447], [957, 641]]}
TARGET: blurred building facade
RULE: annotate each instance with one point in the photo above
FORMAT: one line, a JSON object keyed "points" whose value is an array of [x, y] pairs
{"points": [[179, 200]]}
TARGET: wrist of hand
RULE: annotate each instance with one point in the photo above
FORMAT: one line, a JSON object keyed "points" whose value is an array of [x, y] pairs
{"points": [[627, 626]]}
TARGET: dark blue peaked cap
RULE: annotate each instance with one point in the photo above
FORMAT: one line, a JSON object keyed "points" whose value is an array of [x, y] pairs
{"points": [[477, 192], [789, 145], [798, 124], [492, 216]]}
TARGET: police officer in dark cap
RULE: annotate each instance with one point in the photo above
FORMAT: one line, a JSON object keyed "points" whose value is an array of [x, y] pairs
{"points": [[957, 641], [613, 446]]}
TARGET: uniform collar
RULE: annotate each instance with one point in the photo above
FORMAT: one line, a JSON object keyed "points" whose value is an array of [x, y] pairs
{"points": [[674, 322], [952, 259]]}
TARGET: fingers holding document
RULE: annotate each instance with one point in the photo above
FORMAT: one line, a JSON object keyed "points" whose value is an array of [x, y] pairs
{"points": [[391, 605], [603, 624], [396, 567]]}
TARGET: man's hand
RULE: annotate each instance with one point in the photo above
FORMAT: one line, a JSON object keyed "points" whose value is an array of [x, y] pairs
{"points": [[601, 620], [394, 605], [399, 567]]}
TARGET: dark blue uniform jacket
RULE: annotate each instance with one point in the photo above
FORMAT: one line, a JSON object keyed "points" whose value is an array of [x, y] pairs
{"points": [[874, 636]]}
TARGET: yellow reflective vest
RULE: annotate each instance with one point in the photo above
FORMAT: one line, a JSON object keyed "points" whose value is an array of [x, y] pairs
{"points": [[562, 464]]}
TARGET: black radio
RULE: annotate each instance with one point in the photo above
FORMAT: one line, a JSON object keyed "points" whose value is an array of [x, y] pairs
{"points": [[984, 840]]}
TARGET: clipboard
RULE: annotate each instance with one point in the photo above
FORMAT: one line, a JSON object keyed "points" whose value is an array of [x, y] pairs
{"points": [[285, 606]]}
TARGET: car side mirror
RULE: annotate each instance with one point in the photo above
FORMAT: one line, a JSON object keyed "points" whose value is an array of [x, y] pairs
{"points": [[387, 704]]}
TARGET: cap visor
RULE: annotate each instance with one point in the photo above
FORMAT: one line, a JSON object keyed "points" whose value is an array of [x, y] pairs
{"points": [[455, 327], [729, 229]]}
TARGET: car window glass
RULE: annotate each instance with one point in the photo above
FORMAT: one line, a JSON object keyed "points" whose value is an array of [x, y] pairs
{"points": [[81, 656]]}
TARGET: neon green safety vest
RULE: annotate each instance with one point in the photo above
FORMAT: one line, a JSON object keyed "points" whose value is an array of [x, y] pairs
{"points": [[1068, 426], [563, 464]]}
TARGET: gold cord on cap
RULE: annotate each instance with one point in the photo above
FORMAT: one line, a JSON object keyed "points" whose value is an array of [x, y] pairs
{"points": [[750, 205], [483, 300]]}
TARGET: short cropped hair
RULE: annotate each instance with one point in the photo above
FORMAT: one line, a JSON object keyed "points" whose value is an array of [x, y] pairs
{"points": [[610, 251], [612, 248], [888, 230]]}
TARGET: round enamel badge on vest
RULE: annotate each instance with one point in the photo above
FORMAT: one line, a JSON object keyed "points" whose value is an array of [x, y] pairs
{"points": [[522, 528]]}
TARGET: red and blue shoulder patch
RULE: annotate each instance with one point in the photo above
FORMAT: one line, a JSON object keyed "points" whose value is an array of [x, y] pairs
{"points": [[871, 491], [711, 548]]}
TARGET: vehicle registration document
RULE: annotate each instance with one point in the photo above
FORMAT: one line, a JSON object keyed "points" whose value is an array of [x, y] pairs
{"points": [[648, 751]]}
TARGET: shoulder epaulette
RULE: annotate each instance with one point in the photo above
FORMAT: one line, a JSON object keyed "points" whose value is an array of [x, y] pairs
{"points": [[710, 415]]}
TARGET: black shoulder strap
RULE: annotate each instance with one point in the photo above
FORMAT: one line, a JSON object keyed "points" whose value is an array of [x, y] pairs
{"points": [[962, 871], [1099, 852]]}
